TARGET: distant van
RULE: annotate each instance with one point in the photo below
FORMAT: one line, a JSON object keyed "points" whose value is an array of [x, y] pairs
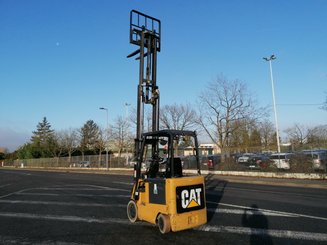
{"points": [[281, 160]]}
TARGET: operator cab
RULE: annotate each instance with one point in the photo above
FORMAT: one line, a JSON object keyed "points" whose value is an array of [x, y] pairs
{"points": [[168, 154]]}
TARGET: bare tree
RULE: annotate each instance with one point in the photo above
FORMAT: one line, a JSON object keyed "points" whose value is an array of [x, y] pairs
{"points": [[57, 144], [240, 136], [255, 140], [180, 117], [222, 103], [121, 134], [70, 141], [324, 105], [298, 134], [317, 137], [267, 132], [147, 119]]}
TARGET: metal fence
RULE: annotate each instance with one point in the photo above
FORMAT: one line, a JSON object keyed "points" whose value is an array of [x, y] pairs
{"points": [[298, 165], [94, 161]]}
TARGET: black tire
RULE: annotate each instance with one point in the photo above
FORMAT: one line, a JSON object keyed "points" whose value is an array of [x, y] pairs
{"points": [[132, 211], [163, 223]]}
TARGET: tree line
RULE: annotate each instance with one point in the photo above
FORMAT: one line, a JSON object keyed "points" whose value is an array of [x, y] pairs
{"points": [[226, 114]]}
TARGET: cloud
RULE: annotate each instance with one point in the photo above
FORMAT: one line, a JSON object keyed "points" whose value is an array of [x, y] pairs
{"points": [[11, 139]]}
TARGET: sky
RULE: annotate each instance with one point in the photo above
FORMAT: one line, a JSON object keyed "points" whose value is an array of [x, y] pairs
{"points": [[64, 59]]}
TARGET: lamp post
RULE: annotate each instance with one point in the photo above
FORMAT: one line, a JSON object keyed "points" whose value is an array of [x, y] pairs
{"points": [[271, 58], [107, 129]]}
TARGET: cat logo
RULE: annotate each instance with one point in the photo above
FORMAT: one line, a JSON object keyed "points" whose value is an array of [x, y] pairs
{"points": [[189, 198]]}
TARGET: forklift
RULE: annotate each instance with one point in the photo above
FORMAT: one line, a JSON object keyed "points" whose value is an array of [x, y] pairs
{"points": [[168, 189]]}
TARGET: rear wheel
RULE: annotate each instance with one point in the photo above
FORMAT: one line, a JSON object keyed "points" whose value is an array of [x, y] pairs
{"points": [[163, 223], [132, 211]]}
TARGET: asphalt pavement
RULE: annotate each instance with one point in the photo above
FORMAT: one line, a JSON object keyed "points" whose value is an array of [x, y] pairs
{"points": [[42, 207]]}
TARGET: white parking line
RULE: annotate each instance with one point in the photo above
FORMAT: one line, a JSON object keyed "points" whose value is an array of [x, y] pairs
{"points": [[123, 183], [24, 240], [266, 232], [62, 203], [232, 209], [56, 188], [249, 212], [2, 186], [102, 187], [295, 215], [78, 189], [206, 228], [61, 194], [63, 218]]}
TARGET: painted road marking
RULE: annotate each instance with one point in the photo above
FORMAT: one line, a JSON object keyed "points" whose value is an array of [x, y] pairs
{"points": [[20, 240], [213, 190], [265, 232], [2, 186], [61, 203], [94, 188], [78, 189], [123, 183], [261, 210], [232, 209], [206, 228], [61, 194], [249, 212], [64, 218], [219, 210]]}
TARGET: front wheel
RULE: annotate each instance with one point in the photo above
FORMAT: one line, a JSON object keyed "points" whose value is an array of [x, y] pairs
{"points": [[132, 211], [163, 223]]}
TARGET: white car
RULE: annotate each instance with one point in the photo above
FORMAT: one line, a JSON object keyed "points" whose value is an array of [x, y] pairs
{"points": [[318, 158], [84, 164], [281, 160]]}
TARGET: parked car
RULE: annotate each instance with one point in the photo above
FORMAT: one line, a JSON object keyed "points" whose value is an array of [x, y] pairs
{"points": [[258, 161], [318, 158], [282, 160], [204, 161], [131, 162], [211, 161], [188, 162], [84, 164], [245, 158]]}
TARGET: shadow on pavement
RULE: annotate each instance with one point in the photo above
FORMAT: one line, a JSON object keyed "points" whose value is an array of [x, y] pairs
{"points": [[258, 223], [214, 192]]}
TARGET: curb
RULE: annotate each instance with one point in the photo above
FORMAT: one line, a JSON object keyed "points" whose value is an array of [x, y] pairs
{"points": [[301, 176]]}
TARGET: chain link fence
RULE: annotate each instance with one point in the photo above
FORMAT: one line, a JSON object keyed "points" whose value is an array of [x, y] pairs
{"points": [[89, 161], [297, 165]]}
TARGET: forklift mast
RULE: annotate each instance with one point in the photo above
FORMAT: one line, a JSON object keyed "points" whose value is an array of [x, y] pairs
{"points": [[145, 32]]}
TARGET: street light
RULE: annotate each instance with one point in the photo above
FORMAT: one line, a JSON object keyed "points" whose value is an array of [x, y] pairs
{"points": [[107, 141], [272, 57]]}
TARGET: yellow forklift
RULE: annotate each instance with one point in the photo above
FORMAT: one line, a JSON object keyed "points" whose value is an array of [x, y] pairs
{"points": [[168, 189]]}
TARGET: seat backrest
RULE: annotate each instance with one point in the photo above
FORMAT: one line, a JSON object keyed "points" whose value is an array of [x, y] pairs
{"points": [[178, 169]]}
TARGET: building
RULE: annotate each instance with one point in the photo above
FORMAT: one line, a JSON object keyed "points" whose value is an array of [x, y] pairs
{"points": [[204, 149]]}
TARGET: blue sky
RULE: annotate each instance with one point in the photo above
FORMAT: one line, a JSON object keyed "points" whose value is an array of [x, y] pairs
{"points": [[64, 59]]}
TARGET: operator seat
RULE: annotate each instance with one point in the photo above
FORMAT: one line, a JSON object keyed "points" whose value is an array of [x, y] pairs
{"points": [[178, 169]]}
